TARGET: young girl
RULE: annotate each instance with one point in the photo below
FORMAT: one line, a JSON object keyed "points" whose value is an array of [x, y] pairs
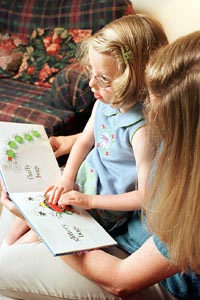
{"points": [[110, 161], [108, 166]]}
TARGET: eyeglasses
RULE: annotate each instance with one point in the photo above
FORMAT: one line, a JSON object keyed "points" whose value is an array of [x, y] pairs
{"points": [[101, 80]]}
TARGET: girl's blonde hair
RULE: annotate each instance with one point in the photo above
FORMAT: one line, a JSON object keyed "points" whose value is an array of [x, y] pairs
{"points": [[138, 35], [173, 206]]}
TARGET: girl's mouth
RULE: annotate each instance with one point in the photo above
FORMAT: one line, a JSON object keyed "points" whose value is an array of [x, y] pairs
{"points": [[97, 96]]}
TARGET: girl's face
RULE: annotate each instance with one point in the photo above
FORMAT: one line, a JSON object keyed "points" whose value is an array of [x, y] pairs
{"points": [[102, 69]]}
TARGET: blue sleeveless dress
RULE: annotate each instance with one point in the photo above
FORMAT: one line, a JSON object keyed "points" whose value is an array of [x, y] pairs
{"points": [[110, 167]]}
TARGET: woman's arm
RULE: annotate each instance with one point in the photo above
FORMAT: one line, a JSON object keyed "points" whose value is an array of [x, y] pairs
{"points": [[123, 277], [62, 145]]}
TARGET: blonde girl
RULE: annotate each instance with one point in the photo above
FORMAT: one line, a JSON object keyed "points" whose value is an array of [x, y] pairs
{"points": [[110, 161]]}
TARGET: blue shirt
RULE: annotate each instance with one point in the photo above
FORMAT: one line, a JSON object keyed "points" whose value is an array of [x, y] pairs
{"points": [[110, 168]]}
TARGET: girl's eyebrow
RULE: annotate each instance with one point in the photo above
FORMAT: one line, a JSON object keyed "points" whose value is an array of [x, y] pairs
{"points": [[107, 77]]}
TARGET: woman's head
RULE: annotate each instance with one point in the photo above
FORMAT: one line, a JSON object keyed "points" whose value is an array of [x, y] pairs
{"points": [[173, 79], [129, 40]]}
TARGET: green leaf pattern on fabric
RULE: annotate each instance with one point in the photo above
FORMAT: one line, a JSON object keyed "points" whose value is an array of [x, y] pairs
{"points": [[86, 179]]}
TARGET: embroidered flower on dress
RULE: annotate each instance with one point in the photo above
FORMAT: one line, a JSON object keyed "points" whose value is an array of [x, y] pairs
{"points": [[105, 141]]}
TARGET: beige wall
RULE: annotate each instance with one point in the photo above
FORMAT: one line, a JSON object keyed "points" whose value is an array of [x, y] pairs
{"points": [[178, 17]]}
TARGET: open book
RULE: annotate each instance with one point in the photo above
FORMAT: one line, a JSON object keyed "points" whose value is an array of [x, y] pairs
{"points": [[28, 165]]}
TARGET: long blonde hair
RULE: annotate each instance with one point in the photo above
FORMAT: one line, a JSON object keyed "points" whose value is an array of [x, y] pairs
{"points": [[173, 206], [141, 35]]}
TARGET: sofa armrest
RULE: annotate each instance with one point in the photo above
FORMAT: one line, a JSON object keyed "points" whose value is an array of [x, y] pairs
{"points": [[70, 90]]}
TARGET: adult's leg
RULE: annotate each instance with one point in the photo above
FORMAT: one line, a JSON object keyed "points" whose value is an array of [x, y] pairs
{"points": [[29, 272], [6, 219], [18, 228]]}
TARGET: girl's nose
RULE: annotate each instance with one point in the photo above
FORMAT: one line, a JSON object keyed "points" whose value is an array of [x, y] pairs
{"points": [[93, 82]]}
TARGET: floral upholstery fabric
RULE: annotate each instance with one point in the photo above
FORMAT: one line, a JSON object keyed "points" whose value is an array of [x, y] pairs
{"points": [[11, 53], [49, 51]]}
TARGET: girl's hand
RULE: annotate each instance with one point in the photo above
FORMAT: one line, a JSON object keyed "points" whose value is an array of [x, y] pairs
{"points": [[54, 191], [77, 199]]}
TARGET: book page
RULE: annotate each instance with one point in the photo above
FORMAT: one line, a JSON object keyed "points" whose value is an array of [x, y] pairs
{"points": [[63, 232], [27, 161]]}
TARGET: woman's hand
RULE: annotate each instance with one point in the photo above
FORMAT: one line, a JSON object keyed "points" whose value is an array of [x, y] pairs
{"points": [[62, 144], [5, 201]]}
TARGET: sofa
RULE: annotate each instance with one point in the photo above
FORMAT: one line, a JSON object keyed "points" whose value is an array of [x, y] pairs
{"points": [[40, 79]]}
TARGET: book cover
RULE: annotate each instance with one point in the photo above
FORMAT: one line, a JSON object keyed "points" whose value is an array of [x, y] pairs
{"points": [[28, 165]]}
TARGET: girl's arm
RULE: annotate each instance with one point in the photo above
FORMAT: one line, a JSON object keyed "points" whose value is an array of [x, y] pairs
{"points": [[144, 154], [123, 277], [126, 201], [79, 151]]}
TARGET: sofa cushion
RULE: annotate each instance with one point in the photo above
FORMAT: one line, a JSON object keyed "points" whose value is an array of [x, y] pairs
{"points": [[24, 16], [26, 103], [48, 51], [11, 53]]}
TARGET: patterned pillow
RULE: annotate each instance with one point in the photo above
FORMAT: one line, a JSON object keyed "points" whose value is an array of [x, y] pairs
{"points": [[11, 53], [49, 50]]}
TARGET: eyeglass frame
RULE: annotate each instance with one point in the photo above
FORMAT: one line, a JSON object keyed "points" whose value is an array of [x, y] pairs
{"points": [[99, 79]]}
